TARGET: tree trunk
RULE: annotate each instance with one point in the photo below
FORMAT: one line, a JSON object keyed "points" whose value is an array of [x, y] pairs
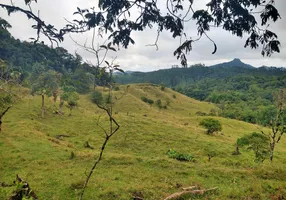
{"points": [[55, 96], [236, 150], [61, 106], [43, 105], [272, 146], [2, 115]]}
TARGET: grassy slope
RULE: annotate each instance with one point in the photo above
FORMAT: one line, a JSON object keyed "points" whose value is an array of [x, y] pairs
{"points": [[135, 159]]}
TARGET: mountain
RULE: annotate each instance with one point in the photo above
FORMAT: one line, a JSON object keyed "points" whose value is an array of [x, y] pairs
{"points": [[234, 63]]}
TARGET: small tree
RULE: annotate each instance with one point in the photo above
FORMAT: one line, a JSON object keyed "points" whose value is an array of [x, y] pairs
{"points": [[277, 124], [256, 142], [43, 83], [212, 125], [97, 97], [8, 78], [71, 97]]}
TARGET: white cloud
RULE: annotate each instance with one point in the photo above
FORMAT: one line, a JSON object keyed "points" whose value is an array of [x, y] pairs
{"points": [[139, 56]]}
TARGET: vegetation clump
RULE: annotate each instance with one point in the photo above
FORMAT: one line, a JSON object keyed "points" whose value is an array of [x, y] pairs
{"points": [[179, 156], [212, 125], [97, 97], [146, 100], [160, 105], [256, 142], [200, 113], [162, 87], [71, 96]]}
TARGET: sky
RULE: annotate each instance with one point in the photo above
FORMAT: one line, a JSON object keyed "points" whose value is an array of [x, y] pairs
{"points": [[140, 57]]}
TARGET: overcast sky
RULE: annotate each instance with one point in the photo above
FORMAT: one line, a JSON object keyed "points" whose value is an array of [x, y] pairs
{"points": [[141, 57]]}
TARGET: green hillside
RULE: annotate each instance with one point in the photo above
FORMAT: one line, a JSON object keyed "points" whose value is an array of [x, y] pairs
{"points": [[135, 162], [241, 93]]}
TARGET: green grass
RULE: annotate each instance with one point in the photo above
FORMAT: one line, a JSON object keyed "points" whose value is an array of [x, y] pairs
{"points": [[136, 159]]}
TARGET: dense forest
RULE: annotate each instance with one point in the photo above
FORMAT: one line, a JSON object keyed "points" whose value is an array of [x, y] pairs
{"points": [[25, 57], [243, 93]]}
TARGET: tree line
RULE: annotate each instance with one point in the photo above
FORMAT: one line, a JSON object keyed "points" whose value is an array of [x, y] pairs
{"points": [[240, 93]]}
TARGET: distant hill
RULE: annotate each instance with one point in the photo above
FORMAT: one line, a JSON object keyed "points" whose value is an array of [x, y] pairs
{"points": [[234, 63], [244, 93]]}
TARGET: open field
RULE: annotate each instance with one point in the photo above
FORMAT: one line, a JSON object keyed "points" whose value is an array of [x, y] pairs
{"points": [[135, 161]]}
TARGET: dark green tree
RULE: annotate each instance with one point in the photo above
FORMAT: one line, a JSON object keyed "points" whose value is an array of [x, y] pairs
{"points": [[256, 142], [212, 125], [43, 82], [71, 97]]}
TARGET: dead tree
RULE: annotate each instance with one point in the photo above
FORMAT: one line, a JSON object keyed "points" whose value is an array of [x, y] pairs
{"points": [[109, 132], [22, 190], [189, 190]]}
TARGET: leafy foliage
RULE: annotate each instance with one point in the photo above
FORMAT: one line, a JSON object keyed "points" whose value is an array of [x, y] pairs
{"points": [[71, 97], [212, 125], [179, 156], [256, 142], [97, 97], [43, 81], [146, 100]]}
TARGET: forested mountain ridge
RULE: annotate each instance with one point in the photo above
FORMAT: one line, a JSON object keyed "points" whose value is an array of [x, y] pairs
{"points": [[22, 56], [243, 93], [234, 63]]}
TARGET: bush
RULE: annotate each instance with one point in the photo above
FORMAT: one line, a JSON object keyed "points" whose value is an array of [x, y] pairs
{"points": [[174, 96], [199, 113], [159, 103], [97, 97], [179, 156], [258, 143], [146, 100], [162, 87], [212, 125], [213, 112], [116, 88]]}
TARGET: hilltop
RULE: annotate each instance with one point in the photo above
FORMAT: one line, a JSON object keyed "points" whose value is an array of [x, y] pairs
{"points": [[135, 161], [234, 63]]}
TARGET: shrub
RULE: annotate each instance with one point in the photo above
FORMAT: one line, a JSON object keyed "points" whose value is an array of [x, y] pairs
{"points": [[212, 112], [146, 100], [199, 113], [168, 102], [174, 96], [212, 125], [159, 103], [116, 88], [162, 87], [179, 156], [256, 142], [72, 156], [97, 97]]}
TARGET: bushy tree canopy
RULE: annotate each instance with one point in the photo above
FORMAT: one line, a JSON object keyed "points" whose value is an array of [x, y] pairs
{"points": [[212, 125]]}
